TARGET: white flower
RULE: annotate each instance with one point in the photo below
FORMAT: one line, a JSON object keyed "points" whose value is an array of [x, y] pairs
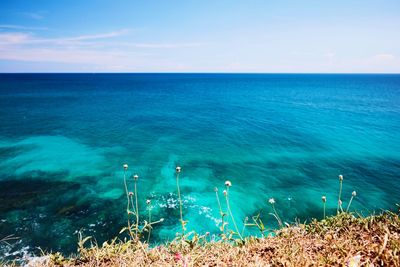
{"points": [[324, 199], [130, 193], [340, 177], [354, 261], [354, 193], [225, 192], [162, 219], [135, 177], [178, 169], [148, 202], [271, 201], [125, 166], [228, 183]]}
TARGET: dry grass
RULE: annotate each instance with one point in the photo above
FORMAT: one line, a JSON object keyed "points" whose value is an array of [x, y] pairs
{"points": [[341, 240]]}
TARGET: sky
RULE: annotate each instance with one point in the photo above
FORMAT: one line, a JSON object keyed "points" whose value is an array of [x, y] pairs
{"points": [[200, 36]]}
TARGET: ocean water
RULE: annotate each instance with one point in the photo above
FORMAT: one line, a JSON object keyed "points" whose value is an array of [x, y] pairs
{"points": [[64, 138]]}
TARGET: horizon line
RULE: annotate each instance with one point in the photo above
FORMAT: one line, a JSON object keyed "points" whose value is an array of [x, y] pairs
{"points": [[315, 73]]}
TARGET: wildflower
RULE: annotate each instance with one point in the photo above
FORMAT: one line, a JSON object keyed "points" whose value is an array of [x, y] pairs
{"points": [[135, 177], [225, 192], [148, 202], [215, 189], [354, 261], [162, 219], [340, 177], [178, 256], [271, 201], [125, 166], [228, 183], [130, 193], [324, 199], [178, 169], [354, 193]]}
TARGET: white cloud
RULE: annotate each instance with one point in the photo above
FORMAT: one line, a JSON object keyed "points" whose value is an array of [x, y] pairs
{"points": [[32, 15], [95, 36], [60, 55], [99, 50], [20, 27], [21, 46], [166, 45], [13, 38], [329, 55], [25, 38], [384, 57]]}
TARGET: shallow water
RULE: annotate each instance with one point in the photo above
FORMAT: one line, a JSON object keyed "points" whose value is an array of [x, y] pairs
{"points": [[64, 138]]}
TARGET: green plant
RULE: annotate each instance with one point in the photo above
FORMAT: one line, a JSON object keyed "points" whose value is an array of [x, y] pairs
{"points": [[149, 207], [183, 223], [6, 240], [258, 223], [135, 230], [135, 179], [339, 206], [222, 214], [228, 184], [128, 195], [353, 194], [275, 214], [324, 204]]}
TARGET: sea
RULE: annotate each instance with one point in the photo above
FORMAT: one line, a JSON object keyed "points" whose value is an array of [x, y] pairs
{"points": [[65, 137]]}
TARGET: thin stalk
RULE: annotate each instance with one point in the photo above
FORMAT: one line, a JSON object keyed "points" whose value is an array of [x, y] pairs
{"points": [[348, 206], [148, 238], [244, 225], [220, 211], [277, 216], [180, 203], [230, 212], [340, 196], [137, 210], [324, 208], [133, 206], [127, 205], [257, 224]]}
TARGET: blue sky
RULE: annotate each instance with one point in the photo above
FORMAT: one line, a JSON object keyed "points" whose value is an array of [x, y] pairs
{"points": [[200, 36]]}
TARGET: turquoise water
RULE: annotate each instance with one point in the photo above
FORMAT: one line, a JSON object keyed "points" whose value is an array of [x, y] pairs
{"points": [[64, 138]]}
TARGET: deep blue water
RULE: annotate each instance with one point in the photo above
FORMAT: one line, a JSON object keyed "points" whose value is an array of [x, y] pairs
{"points": [[64, 138]]}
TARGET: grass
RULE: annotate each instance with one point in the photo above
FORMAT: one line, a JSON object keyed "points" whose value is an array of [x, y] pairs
{"points": [[342, 239]]}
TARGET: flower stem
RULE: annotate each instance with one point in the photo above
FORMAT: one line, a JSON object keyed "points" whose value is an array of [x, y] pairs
{"points": [[244, 226], [277, 216], [340, 196], [230, 212], [180, 204], [137, 210], [220, 212], [148, 238], [127, 206], [348, 206]]}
